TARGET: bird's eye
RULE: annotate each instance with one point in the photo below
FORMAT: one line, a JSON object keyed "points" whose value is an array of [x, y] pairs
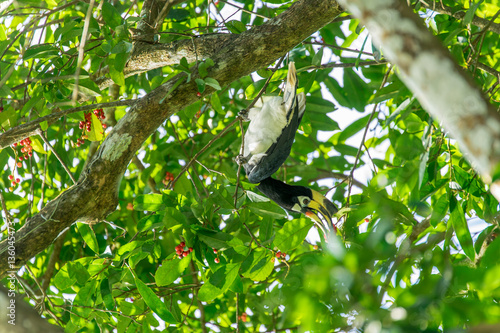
{"points": [[306, 202]]}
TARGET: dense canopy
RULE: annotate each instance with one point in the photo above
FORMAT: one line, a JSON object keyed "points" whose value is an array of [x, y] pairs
{"points": [[124, 210]]}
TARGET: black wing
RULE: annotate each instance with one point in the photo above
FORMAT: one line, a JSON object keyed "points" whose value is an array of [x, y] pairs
{"points": [[279, 151]]}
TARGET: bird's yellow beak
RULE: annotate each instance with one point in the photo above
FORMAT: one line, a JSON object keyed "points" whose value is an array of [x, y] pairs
{"points": [[321, 205]]}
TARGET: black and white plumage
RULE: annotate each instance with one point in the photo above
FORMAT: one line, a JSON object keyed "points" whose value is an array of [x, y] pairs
{"points": [[271, 132], [268, 142], [301, 199]]}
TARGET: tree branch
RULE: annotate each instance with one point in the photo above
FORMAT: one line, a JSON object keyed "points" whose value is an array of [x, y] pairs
{"points": [[441, 86]]}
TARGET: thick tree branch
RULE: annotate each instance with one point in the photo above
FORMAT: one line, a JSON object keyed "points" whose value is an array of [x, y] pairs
{"points": [[443, 88], [95, 194]]}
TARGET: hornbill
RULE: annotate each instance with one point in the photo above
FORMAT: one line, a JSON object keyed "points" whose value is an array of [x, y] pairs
{"points": [[268, 142]]}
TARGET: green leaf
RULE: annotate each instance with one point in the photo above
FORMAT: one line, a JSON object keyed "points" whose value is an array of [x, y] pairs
{"points": [[316, 61], [44, 51], [62, 280], [171, 270], [117, 76], [219, 282], [96, 131], [267, 209], [461, 228], [37, 145], [215, 101], [236, 27], [439, 209], [201, 85], [111, 15], [258, 265], [292, 234], [353, 128], [212, 83], [469, 15], [88, 236], [151, 202], [154, 303], [107, 295], [214, 239]]}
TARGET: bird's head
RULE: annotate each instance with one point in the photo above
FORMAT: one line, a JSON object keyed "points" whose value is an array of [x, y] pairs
{"points": [[300, 199], [313, 205]]}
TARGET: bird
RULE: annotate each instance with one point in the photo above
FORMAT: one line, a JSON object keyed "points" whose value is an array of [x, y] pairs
{"points": [[301, 199], [267, 144], [273, 123]]}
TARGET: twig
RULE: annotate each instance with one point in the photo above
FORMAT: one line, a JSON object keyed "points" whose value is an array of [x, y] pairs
{"points": [[244, 10], [57, 155], [195, 295], [7, 215], [81, 48], [202, 150], [20, 132], [339, 48], [351, 176]]}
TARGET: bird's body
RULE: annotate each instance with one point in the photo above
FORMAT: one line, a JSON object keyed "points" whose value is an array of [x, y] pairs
{"points": [[270, 135], [268, 142]]}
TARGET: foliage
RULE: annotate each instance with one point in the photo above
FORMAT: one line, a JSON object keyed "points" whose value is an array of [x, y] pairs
{"points": [[405, 258]]}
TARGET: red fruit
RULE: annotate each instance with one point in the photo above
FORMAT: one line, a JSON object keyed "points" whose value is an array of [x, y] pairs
{"points": [[185, 253], [19, 165], [215, 251], [104, 126], [278, 254], [15, 144], [11, 177], [13, 183], [18, 180], [198, 94], [216, 260], [283, 255], [182, 244], [190, 249], [30, 153]]}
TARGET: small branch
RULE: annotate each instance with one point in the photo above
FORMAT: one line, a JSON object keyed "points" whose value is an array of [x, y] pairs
{"points": [[40, 133], [201, 307], [351, 176], [20, 132], [338, 48], [81, 49]]}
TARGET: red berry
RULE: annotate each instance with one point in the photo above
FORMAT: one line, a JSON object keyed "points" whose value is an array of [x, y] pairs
{"points": [[30, 153], [278, 254], [216, 260], [198, 94], [185, 253], [215, 251], [11, 177], [18, 180], [283, 255], [15, 144], [19, 164], [104, 126], [190, 249], [182, 244]]}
